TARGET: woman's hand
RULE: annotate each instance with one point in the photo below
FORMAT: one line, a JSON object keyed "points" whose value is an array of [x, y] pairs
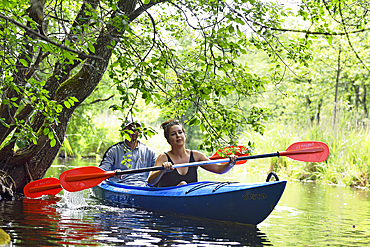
{"points": [[167, 167], [232, 161], [182, 183]]}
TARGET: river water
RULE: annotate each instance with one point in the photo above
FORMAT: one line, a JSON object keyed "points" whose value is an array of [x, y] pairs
{"points": [[308, 214]]}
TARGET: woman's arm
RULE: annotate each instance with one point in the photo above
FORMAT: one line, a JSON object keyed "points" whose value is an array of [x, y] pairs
{"points": [[155, 176], [216, 168]]}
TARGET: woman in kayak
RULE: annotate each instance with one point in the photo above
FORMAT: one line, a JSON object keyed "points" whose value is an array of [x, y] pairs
{"points": [[175, 134]]}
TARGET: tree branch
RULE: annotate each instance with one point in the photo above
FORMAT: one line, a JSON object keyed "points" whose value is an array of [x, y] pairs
{"points": [[42, 37], [317, 33], [308, 32], [349, 40], [100, 100], [133, 15]]}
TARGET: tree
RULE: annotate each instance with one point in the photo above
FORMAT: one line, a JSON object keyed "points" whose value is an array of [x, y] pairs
{"points": [[54, 54], [334, 62]]}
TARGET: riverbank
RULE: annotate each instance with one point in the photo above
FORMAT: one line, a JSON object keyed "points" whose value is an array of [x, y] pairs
{"points": [[348, 162]]}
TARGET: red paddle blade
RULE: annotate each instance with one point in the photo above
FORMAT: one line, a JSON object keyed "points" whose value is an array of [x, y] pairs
{"points": [[83, 178], [45, 186], [309, 151], [222, 153]]}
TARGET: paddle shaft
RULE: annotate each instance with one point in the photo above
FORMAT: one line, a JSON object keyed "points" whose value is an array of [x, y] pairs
{"points": [[107, 174]]}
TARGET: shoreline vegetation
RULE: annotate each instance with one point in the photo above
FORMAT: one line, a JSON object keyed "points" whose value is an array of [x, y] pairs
{"points": [[347, 164]]}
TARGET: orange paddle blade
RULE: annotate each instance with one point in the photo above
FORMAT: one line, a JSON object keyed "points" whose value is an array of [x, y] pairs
{"points": [[45, 186], [83, 178], [240, 151], [309, 151]]}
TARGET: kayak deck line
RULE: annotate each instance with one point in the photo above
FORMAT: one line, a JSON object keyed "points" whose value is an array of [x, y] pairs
{"points": [[219, 185]]}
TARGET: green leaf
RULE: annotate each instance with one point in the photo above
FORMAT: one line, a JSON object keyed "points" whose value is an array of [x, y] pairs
{"points": [[91, 47], [239, 32], [24, 62], [67, 104], [162, 70], [202, 127], [68, 55], [74, 99], [240, 21], [71, 101], [330, 40], [51, 135], [59, 108], [231, 29], [53, 142]]}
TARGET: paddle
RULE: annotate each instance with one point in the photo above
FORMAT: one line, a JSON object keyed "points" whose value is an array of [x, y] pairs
{"points": [[45, 186], [240, 151], [51, 186], [87, 177]]}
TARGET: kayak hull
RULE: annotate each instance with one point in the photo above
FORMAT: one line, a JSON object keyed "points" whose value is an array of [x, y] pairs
{"points": [[236, 202]]}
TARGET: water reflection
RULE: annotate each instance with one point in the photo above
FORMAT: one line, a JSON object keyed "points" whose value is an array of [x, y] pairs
{"points": [[46, 223], [18, 216], [49, 222], [307, 215], [143, 228], [318, 215]]}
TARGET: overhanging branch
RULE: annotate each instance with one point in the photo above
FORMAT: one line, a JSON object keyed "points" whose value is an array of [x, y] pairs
{"points": [[317, 33], [100, 100], [132, 16], [42, 37]]}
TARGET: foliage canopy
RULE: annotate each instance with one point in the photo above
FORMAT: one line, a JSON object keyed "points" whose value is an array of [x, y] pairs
{"points": [[179, 55]]}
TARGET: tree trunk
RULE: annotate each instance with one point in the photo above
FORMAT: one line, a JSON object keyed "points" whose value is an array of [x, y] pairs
{"points": [[364, 103], [336, 88], [356, 88], [319, 111], [32, 162]]}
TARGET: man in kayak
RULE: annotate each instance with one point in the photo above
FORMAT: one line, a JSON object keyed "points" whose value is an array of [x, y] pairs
{"points": [[174, 132], [129, 154]]}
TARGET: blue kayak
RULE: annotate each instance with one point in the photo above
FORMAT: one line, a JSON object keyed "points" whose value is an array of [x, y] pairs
{"points": [[236, 202]]}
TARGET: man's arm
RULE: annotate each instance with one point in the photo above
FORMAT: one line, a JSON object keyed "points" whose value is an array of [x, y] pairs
{"points": [[108, 160], [153, 158]]}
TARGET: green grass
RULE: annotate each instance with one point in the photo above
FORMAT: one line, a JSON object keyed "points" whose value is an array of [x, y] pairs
{"points": [[349, 143], [347, 164]]}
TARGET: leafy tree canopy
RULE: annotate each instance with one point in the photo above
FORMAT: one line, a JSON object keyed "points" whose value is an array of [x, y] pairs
{"points": [[179, 55]]}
